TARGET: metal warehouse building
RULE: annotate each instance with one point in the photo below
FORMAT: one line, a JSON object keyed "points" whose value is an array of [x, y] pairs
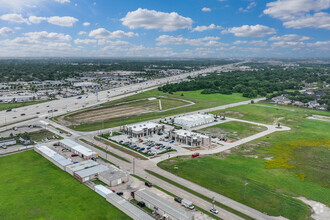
{"points": [[127, 207], [52, 156], [80, 166], [89, 173], [194, 120], [113, 176], [7, 142], [76, 148], [161, 206]]}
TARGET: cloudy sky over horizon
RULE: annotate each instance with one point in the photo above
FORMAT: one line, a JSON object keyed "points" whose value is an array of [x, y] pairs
{"points": [[171, 28]]}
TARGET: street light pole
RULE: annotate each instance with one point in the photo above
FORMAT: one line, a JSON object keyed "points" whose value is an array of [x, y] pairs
{"points": [[245, 184]]}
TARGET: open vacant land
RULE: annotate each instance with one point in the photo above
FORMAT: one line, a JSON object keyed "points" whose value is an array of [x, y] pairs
{"points": [[33, 188], [276, 167], [125, 108], [233, 129], [202, 101]]}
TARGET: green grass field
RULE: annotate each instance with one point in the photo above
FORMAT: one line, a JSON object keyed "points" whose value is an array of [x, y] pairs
{"points": [[277, 167], [31, 187], [233, 129], [201, 102], [5, 106]]}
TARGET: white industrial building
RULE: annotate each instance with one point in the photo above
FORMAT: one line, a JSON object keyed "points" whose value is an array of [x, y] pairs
{"points": [[52, 156], [17, 98], [89, 173], [190, 138], [189, 121], [7, 142], [80, 166], [143, 129], [113, 176], [76, 148], [127, 207], [102, 190], [164, 208]]}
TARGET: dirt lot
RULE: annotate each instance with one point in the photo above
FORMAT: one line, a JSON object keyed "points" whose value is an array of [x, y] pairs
{"points": [[120, 110]]}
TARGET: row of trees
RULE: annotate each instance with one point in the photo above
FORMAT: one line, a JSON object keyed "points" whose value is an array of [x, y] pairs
{"points": [[250, 83]]}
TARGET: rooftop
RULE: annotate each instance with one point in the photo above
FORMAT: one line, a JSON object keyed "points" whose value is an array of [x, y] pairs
{"points": [[82, 165], [189, 133], [91, 171], [113, 174], [141, 126], [161, 203]]}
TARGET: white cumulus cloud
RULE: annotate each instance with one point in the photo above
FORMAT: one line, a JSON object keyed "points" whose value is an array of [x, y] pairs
{"points": [[65, 21], [205, 41], [205, 9], [289, 37], [151, 19], [206, 28], [317, 20], [14, 18], [86, 23], [46, 36], [62, 1], [250, 31], [6, 31], [103, 33], [85, 41]]}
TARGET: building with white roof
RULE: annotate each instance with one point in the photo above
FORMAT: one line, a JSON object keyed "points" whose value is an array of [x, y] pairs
{"points": [[161, 206], [127, 207], [143, 129], [190, 138], [102, 190], [76, 148], [89, 173], [113, 176], [80, 166], [52, 156], [189, 121]]}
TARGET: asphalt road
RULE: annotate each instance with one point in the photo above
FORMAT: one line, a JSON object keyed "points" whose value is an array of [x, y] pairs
{"points": [[65, 105]]}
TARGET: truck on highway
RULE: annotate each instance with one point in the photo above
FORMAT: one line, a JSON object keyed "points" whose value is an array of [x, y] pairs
{"points": [[80, 97], [188, 204]]}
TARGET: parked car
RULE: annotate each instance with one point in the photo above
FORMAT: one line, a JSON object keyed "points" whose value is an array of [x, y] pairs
{"points": [[113, 190], [22, 114], [141, 204], [120, 193], [8, 110], [177, 199], [148, 184], [214, 211], [37, 113], [140, 141], [195, 155], [171, 142], [74, 155]]}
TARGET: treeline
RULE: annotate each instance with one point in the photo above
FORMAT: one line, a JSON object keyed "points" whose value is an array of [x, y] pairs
{"points": [[251, 83], [12, 70]]}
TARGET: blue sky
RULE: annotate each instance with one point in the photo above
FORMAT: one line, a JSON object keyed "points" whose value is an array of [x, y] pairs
{"points": [[159, 28]]}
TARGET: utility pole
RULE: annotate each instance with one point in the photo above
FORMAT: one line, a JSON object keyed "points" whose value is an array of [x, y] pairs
{"points": [[213, 202], [133, 165], [106, 152], [245, 184]]}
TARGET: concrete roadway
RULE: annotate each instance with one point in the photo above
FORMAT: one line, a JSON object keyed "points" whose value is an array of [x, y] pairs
{"points": [[141, 165], [65, 105]]}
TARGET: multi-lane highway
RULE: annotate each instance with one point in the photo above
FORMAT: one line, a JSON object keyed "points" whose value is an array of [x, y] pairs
{"points": [[64, 105]]}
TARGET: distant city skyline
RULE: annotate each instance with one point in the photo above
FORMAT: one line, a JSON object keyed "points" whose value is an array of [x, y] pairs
{"points": [[151, 28]]}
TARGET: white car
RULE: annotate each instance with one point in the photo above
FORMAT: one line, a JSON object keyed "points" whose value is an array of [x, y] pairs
{"points": [[214, 211]]}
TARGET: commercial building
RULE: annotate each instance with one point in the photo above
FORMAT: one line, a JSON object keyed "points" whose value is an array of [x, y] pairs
{"points": [[89, 173], [190, 138], [164, 208], [7, 142], [52, 156], [80, 166], [143, 129], [113, 176], [25, 98], [76, 148], [127, 207], [189, 121]]}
